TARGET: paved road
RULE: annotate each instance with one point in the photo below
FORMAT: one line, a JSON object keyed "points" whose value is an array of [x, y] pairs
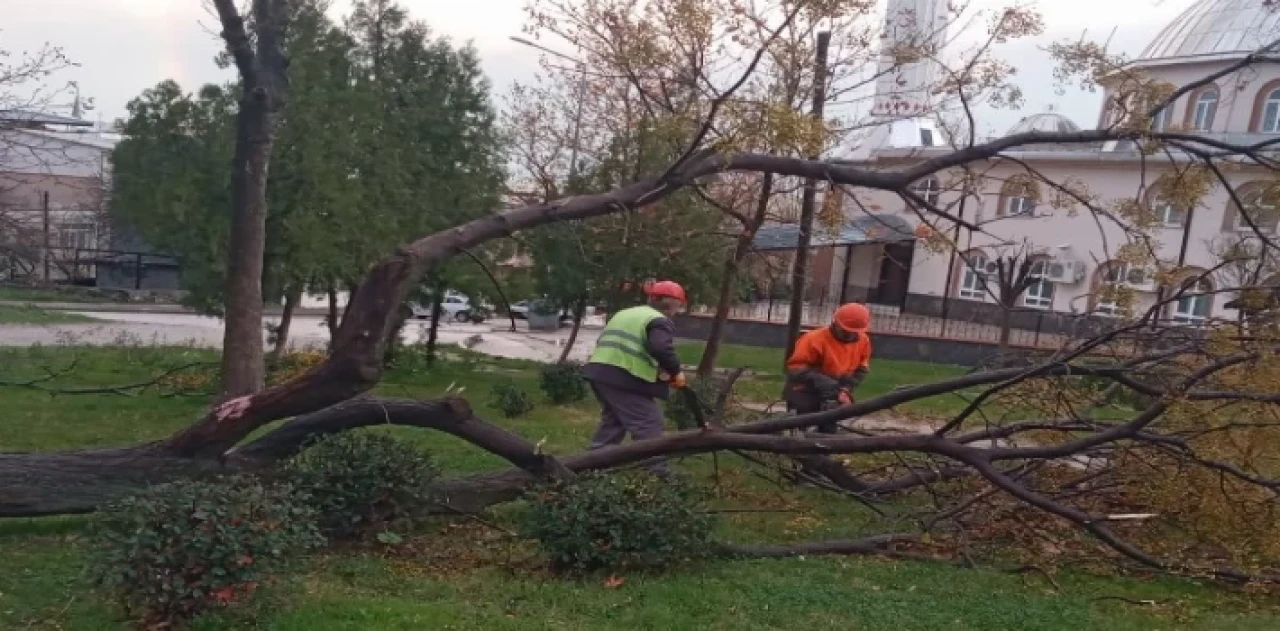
{"points": [[491, 338]]}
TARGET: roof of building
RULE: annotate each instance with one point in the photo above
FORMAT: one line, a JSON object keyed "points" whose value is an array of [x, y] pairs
{"points": [[1047, 122], [871, 228], [32, 117], [1215, 29]]}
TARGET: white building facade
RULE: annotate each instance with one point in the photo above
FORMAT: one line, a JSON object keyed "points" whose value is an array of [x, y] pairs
{"points": [[1077, 253]]}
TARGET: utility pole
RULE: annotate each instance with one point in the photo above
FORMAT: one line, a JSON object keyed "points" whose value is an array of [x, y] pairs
{"points": [[800, 272]]}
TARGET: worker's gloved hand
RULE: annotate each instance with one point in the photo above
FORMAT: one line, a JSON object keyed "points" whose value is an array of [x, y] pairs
{"points": [[679, 382], [844, 397], [825, 386]]}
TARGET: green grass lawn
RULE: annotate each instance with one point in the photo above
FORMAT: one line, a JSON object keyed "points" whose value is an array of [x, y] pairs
{"points": [[455, 574], [29, 314], [31, 294], [763, 382]]}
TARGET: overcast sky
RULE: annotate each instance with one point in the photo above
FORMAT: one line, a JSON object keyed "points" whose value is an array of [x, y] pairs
{"points": [[126, 46]]}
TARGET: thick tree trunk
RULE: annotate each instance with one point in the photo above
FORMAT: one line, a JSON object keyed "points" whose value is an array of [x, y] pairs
{"points": [[1006, 329], [291, 300], [394, 343], [579, 311], [433, 333], [333, 321], [728, 283], [262, 75], [800, 270]]}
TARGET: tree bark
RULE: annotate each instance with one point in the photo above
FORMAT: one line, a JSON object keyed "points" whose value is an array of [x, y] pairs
{"points": [[800, 271], [262, 74], [437, 311], [728, 283], [332, 321], [291, 300], [579, 311]]}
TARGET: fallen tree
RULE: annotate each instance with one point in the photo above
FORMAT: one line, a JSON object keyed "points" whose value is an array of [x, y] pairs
{"points": [[1173, 387]]}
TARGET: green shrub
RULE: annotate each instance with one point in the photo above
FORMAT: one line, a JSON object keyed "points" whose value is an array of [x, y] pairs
{"points": [[678, 409], [511, 399], [617, 522], [182, 548], [562, 383], [358, 481]]}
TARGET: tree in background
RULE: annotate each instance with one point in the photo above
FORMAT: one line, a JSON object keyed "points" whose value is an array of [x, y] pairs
{"points": [[388, 132], [261, 64]]}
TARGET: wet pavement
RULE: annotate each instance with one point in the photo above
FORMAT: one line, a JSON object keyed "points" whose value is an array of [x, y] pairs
{"points": [[491, 338]]}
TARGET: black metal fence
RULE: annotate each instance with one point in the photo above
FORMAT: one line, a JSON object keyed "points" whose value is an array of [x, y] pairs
{"points": [[105, 268]]}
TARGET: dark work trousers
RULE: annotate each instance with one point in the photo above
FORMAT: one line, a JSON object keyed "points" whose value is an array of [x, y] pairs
{"points": [[804, 400], [624, 412]]}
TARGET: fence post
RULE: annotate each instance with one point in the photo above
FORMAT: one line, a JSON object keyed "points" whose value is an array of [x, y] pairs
{"points": [[1039, 326], [137, 271]]}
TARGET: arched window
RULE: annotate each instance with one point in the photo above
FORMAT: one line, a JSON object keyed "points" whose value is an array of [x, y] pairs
{"points": [[1261, 208], [973, 279], [1160, 200], [1194, 303], [929, 190], [1205, 107], [1039, 294], [1160, 122], [1018, 197], [1270, 123], [1116, 276]]}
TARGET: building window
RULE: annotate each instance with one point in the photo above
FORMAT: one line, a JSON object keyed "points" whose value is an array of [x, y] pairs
{"points": [[929, 190], [1039, 294], [1206, 109], [1018, 197], [1160, 122], [1194, 304], [1271, 114], [1170, 216], [1114, 277], [1020, 206], [973, 282], [1260, 207], [77, 236]]}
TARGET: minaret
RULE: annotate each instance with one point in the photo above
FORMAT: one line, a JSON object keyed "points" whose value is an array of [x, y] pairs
{"points": [[904, 101]]}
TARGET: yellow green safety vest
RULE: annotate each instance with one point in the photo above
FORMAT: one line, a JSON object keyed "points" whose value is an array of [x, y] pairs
{"points": [[622, 343]]}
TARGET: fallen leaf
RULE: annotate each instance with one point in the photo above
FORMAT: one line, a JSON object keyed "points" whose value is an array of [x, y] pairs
{"points": [[614, 582]]}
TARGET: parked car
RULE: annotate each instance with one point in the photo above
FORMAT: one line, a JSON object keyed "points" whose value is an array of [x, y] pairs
{"points": [[520, 311], [455, 306]]}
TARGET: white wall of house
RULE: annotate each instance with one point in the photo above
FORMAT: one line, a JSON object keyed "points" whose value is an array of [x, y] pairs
{"points": [[1243, 103]]}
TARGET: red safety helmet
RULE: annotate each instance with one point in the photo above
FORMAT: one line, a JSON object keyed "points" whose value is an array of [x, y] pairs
{"points": [[667, 289], [853, 317]]}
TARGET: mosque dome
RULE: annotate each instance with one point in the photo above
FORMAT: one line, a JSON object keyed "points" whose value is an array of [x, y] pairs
{"points": [[1047, 122], [1215, 29]]}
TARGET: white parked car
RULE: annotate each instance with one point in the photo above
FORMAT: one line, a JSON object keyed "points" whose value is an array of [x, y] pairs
{"points": [[455, 307]]}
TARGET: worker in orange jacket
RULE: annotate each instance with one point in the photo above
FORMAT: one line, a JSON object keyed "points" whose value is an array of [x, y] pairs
{"points": [[829, 363]]}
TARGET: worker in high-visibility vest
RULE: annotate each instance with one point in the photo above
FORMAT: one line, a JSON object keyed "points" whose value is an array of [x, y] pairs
{"points": [[829, 363], [633, 365]]}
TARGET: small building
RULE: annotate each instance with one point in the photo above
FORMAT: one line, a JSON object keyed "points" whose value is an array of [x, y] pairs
{"points": [[55, 178]]}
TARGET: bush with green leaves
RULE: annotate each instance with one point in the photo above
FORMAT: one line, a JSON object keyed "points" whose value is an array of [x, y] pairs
{"points": [[359, 481], [182, 548], [678, 408], [563, 383], [510, 399], [621, 521]]}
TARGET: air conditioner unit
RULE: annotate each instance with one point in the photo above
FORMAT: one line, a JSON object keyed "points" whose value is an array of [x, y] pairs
{"points": [[1064, 271]]}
